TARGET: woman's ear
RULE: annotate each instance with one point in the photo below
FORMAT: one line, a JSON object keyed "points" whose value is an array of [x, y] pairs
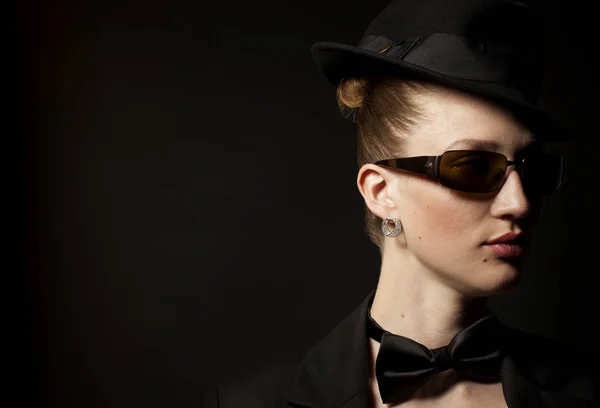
{"points": [[374, 183]]}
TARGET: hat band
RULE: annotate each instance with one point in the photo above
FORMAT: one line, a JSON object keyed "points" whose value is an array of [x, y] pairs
{"points": [[455, 57]]}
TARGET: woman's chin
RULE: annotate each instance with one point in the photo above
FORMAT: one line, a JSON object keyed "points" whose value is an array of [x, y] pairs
{"points": [[496, 281], [506, 285]]}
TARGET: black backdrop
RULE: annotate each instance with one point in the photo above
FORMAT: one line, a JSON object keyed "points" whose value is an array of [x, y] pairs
{"points": [[189, 182]]}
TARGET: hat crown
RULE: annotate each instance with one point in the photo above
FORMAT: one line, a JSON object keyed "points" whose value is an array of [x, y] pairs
{"points": [[503, 29]]}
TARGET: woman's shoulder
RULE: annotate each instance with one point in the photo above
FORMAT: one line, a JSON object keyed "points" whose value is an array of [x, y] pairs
{"points": [[552, 362], [265, 386]]}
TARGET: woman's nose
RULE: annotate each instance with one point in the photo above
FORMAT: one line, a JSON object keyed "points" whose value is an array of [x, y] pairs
{"points": [[511, 200]]}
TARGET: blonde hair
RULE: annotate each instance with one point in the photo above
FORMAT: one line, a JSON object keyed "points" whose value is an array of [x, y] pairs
{"points": [[385, 110]]}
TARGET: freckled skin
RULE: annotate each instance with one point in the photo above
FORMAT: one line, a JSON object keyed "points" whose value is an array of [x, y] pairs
{"points": [[443, 228]]}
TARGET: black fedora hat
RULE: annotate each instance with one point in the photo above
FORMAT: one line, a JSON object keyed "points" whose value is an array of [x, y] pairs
{"points": [[492, 48]]}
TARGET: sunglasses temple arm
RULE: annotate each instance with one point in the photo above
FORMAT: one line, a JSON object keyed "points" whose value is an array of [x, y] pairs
{"points": [[425, 165]]}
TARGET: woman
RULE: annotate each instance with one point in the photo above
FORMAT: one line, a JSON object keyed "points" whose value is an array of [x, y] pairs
{"points": [[453, 172]]}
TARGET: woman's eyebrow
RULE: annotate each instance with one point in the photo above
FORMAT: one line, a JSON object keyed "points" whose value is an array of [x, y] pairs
{"points": [[475, 144]]}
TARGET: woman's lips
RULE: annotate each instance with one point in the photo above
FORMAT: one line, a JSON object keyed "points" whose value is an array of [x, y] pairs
{"points": [[507, 250], [509, 245]]}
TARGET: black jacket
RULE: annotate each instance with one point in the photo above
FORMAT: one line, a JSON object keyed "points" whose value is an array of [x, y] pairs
{"points": [[536, 373]]}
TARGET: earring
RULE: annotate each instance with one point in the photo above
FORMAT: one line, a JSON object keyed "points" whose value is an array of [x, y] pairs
{"points": [[385, 227]]}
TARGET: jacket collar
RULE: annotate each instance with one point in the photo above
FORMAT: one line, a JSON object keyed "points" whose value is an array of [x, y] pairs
{"points": [[335, 372]]}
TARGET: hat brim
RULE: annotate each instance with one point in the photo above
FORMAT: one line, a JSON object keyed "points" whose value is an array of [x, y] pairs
{"points": [[337, 61]]}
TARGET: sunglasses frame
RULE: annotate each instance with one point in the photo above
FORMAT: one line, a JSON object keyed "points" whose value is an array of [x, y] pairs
{"points": [[429, 166]]}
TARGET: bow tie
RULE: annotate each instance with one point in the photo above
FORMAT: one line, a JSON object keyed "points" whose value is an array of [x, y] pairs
{"points": [[404, 365]]}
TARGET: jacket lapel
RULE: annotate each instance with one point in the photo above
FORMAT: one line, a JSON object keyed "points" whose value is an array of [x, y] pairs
{"points": [[334, 373], [533, 376], [518, 391]]}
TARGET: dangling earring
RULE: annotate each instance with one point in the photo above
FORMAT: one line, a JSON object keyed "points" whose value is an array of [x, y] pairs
{"points": [[397, 227]]}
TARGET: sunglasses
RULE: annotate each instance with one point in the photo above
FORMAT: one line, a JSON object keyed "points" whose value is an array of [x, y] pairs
{"points": [[479, 171]]}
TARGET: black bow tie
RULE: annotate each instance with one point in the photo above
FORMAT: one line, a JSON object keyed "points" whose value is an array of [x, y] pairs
{"points": [[404, 365]]}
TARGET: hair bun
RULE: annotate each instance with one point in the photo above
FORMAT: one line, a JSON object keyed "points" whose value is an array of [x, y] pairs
{"points": [[350, 96]]}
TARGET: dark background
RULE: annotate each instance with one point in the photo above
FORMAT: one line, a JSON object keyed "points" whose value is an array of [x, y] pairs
{"points": [[190, 199]]}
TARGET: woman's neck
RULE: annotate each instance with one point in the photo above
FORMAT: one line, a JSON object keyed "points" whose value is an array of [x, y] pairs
{"points": [[415, 302], [412, 302]]}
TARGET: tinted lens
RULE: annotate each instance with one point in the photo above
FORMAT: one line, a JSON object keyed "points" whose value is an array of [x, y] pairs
{"points": [[472, 171], [542, 173]]}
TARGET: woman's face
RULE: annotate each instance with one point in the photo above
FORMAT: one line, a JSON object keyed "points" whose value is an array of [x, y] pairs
{"points": [[445, 230]]}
